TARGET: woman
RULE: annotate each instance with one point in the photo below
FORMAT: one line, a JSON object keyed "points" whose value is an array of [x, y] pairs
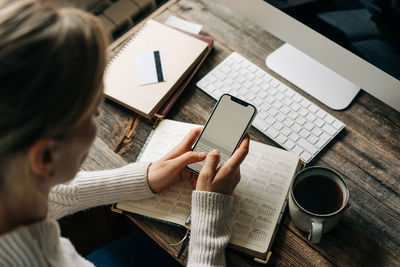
{"points": [[51, 68]]}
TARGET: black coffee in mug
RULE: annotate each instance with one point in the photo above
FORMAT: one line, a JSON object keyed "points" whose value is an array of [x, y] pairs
{"points": [[318, 194]]}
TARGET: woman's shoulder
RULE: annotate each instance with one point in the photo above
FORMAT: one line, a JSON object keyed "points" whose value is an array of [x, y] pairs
{"points": [[27, 243]]}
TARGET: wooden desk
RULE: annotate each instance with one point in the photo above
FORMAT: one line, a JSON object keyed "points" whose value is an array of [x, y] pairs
{"points": [[366, 153]]}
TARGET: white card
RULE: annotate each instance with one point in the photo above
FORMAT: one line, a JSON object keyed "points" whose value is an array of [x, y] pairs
{"points": [[183, 24], [150, 68]]}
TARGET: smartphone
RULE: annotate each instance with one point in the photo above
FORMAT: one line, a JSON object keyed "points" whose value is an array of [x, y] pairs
{"points": [[227, 124]]}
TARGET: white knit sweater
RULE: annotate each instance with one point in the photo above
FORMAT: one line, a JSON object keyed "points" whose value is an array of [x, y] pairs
{"points": [[41, 244]]}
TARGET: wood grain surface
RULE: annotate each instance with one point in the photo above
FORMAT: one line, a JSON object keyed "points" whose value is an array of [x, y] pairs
{"points": [[366, 154]]}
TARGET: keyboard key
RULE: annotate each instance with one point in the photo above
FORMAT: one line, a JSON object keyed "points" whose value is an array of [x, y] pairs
{"points": [[229, 62], [277, 104], [337, 124], [254, 89], [304, 133], [321, 113], [281, 139], [288, 122], [220, 75], [280, 117], [293, 115], [274, 83], [272, 111], [243, 72], [329, 119], [229, 80], [313, 108], [294, 137], [235, 86], [297, 98], [305, 103], [236, 67], [279, 96], [270, 120], [250, 96], [262, 94], [290, 93], [250, 76], [295, 106], [296, 128], [282, 87], [311, 117], [285, 110], [278, 125], [272, 91], [245, 63], [308, 126], [298, 150], [262, 115], [300, 121], [316, 131], [312, 139], [240, 79], [260, 124], [329, 129], [225, 69], [321, 143], [260, 73], [303, 112], [286, 131], [247, 84], [203, 83], [310, 148], [272, 132], [287, 101], [289, 144], [267, 77], [233, 74], [306, 156], [257, 81], [319, 122], [258, 101]]}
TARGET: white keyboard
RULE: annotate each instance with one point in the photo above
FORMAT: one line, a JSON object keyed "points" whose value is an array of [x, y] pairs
{"points": [[285, 116]]}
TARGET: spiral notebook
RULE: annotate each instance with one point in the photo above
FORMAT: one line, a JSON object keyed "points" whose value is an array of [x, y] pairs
{"points": [[181, 53], [260, 197]]}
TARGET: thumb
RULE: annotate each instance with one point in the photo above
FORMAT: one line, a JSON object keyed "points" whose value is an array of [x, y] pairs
{"points": [[188, 158]]}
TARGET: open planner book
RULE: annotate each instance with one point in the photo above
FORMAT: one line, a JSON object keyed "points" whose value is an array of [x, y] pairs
{"points": [[259, 198]]}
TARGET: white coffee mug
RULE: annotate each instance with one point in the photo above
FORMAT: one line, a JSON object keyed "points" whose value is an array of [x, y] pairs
{"points": [[316, 223]]}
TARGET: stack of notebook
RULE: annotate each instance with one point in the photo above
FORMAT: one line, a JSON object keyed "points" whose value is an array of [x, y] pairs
{"points": [[182, 55]]}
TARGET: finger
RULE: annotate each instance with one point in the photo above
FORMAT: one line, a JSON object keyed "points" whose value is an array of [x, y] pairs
{"points": [[186, 144], [187, 158], [210, 166], [187, 174], [240, 154]]}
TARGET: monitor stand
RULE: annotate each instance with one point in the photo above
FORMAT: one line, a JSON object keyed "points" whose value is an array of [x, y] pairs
{"points": [[312, 77]]}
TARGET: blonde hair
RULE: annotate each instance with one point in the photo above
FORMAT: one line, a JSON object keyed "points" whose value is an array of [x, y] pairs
{"points": [[52, 61]]}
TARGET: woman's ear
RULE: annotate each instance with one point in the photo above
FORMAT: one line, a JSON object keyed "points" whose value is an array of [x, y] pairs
{"points": [[42, 158]]}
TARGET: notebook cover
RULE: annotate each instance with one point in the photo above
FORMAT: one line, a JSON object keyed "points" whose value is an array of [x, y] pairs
{"points": [[179, 53], [163, 110]]}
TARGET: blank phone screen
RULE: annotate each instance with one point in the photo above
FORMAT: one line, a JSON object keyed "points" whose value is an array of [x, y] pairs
{"points": [[224, 129]]}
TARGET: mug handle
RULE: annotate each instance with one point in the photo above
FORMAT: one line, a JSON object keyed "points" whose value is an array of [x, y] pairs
{"points": [[315, 234]]}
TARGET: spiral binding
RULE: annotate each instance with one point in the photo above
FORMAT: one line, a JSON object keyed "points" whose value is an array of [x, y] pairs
{"points": [[124, 46]]}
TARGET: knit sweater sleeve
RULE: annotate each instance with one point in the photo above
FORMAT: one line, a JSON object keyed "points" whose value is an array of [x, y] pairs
{"points": [[95, 188], [210, 233]]}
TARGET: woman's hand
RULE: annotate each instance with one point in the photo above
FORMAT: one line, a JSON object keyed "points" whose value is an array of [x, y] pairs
{"points": [[172, 167], [224, 179]]}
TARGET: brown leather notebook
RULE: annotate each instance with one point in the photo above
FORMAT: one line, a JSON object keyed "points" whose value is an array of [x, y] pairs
{"points": [[181, 52]]}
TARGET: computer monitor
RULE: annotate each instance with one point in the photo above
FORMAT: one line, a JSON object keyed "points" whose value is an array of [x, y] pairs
{"points": [[333, 47]]}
